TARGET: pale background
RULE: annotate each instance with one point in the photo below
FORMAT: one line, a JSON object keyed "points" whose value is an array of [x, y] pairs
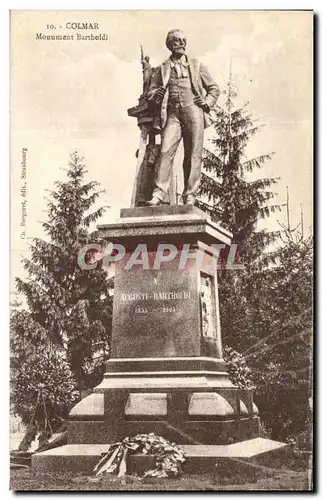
{"points": [[68, 95]]}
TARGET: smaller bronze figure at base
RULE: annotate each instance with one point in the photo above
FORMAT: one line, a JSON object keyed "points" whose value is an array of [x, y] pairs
{"points": [[185, 93]]}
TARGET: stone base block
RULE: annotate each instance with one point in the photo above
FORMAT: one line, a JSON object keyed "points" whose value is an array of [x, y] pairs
{"points": [[181, 414], [230, 431], [92, 407], [85, 432], [81, 458], [185, 400], [193, 432]]}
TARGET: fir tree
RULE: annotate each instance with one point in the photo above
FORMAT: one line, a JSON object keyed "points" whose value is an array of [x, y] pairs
{"points": [[238, 203], [70, 306], [282, 357], [226, 193], [266, 307]]}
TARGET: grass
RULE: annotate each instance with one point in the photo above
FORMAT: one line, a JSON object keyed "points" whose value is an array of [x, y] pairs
{"points": [[31, 480]]}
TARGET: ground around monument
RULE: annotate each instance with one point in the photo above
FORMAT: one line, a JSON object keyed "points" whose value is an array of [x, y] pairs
{"points": [[284, 480]]}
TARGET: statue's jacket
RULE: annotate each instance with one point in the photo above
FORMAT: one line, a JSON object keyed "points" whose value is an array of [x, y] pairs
{"points": [[202, 85]]}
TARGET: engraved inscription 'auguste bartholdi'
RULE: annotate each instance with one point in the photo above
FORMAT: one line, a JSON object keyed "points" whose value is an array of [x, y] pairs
{"points": [[185, 92]]}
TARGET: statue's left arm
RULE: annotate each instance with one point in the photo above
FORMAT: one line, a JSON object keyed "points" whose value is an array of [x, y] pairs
{"points": [[212, 89]]}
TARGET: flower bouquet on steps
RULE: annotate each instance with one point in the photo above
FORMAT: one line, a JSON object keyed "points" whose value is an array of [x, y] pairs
{"points": [[169, 456]]}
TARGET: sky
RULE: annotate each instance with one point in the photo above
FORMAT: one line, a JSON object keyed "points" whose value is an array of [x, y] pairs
{"points": [[68, 95]]}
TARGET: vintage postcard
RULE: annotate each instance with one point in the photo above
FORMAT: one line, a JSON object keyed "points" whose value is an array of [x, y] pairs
{"points": [[161, 250]]}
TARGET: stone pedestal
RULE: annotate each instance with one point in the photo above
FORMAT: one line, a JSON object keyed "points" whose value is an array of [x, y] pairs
{"points": [[166, 373]]}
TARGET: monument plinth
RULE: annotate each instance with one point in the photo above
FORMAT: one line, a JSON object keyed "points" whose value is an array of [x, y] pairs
{"points": [[166, 373]]}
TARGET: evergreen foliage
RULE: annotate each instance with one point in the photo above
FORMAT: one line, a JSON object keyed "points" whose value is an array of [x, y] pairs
{"points": [[227, 193], [265, 308], [281, 359], [69, 309], [238, 203]]}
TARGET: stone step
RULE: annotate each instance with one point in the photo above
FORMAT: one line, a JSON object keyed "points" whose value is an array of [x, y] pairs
{"points": [[243, 455]]}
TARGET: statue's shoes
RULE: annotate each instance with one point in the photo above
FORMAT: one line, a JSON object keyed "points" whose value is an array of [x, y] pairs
{"points": [[190, 200], [154, 202]]}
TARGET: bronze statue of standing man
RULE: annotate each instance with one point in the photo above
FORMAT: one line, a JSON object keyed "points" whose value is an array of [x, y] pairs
{"points": [[185, 92]]}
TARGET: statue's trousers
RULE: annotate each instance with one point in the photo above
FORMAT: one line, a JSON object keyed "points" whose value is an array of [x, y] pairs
{"points": [[187, 122]]}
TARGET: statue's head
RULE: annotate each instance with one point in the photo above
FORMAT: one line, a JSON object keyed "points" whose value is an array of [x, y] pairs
{"points": [[176, 42]]}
